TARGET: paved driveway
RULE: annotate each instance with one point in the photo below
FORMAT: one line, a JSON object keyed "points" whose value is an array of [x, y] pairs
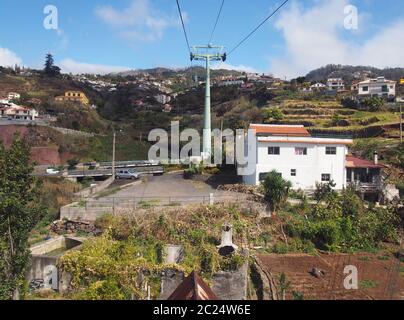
{"points": [[167, 189]]}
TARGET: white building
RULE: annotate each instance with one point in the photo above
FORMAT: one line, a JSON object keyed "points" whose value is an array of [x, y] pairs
{"points": [[379, 87], [299, 157], [162, 98], [335, 84], [318, 86], [15, 112], [14, 96]]}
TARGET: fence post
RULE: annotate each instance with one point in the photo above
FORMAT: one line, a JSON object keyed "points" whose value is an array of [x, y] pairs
{"points": [[211, 199]]}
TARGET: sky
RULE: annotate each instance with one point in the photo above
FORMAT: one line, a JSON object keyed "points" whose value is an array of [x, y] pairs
{"points": [[100, 36]]}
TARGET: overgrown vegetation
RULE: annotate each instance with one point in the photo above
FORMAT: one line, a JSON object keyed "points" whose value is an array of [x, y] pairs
{"points": [[131, 250], [20, 210], [342, 223]]}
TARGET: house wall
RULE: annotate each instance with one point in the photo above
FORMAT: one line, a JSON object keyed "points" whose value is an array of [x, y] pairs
{"points": [[375, 88], [309, 168]]}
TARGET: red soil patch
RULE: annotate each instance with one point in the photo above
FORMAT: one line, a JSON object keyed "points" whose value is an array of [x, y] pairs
{"points": [[39, 155], [379, 277], [45, 155]]}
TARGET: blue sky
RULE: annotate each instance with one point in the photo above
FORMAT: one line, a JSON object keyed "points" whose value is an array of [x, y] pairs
{"points": [[103, 36]]}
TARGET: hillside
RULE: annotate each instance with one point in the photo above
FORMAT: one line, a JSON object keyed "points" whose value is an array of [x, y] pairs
{"points": [[350, 73]]}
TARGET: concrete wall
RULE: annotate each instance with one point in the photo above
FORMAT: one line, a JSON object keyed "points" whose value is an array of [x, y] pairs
{"points": [[44, 266], [170, 280], [231, 285], [93, 190]]}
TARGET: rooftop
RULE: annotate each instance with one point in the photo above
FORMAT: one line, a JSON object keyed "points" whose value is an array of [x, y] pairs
{"points": [[354, 162], [193, 288], [280, 130]]}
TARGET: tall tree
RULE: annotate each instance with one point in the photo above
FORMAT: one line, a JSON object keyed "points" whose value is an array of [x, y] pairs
{"points": [[19, 213], [50, 68]]}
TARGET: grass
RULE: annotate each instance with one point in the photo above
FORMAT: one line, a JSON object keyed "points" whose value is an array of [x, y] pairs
{"points": [[383, 258], [149, 203], [368, 284]]}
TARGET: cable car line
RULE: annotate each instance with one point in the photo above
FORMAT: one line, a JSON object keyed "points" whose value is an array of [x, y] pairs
{"points": [[217, 20], [183, 27], [259, 26]]}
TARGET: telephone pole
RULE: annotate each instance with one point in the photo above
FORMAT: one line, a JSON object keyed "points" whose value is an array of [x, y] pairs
{"points": [[211, 53]]}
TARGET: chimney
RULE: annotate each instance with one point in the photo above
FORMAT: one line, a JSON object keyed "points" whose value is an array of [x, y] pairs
{"points": [[227, 246], [376, 157]]}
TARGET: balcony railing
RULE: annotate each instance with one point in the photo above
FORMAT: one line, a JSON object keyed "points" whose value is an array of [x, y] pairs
{"points": [[367, 187]]}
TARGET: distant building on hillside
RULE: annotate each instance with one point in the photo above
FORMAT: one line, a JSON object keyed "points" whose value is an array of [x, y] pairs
{"points": [[74, 96], [162, 98], [335, 84], [167, 108], [13, 96], [14, 112], [379, 87], [318, 86]]}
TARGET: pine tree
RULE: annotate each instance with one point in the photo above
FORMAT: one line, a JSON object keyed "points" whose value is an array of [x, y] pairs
{"points": [[19, 213], [50, 68]]}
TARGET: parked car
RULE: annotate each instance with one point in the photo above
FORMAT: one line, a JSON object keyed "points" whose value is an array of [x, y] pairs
{"points": [[52, 171], [126, 174]]}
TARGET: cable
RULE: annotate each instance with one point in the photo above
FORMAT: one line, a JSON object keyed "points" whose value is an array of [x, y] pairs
{"points": [[183, 26], [259, 26], [217, 20]]}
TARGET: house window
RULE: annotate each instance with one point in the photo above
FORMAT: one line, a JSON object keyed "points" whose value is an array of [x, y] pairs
{"points": [[385, 89], [263, 175], [325, 177], [274, 150], [301, 151], [293, 172], [365, 89], [331, 150]]}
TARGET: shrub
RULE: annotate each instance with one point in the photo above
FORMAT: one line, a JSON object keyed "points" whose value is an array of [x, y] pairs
{"points": [[276, 189]]}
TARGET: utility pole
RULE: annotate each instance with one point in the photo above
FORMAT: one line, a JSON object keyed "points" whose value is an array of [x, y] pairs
{"points": [[113, 156], [212, 53]]}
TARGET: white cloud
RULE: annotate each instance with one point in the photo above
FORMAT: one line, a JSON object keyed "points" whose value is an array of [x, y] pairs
{"points": [[316, 36], [239, 67], [138, 22], [72, 66], [8, 58]]}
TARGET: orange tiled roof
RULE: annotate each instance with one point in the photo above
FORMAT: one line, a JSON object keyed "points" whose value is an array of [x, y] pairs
{"points": [[277, 130]]}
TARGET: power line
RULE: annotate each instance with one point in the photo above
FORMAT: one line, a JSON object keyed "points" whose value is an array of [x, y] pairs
{"points": [[183, 27], [217, 20], [259, 26]]}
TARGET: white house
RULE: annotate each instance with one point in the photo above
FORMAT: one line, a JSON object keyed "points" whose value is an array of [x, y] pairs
{"points": [[335, 84], [299, 157], [15, 112], [318, 86], [379, 87]]}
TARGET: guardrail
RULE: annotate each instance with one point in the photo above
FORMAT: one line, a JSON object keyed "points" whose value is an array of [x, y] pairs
{"points": [[101, 172]]}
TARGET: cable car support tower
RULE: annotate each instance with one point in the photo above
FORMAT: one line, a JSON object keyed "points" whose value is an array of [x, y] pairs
{"points": [[207, 53]]}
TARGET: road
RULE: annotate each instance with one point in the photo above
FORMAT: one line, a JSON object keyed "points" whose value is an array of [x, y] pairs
{"points": [[169, 188]]}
